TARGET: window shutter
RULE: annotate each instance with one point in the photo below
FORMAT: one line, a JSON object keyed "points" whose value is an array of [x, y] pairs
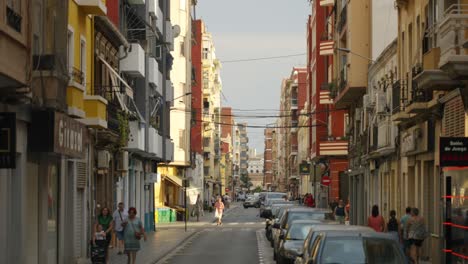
{"points": [[454, 118], [81, 175]]}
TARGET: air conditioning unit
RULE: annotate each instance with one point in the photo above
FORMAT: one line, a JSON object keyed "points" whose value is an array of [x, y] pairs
{"points": [[123, 161], [103, 159], [380, 102], [357, 114]]}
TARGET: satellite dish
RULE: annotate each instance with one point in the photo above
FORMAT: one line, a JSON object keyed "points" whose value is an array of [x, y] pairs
{"points": [[176, 31]]}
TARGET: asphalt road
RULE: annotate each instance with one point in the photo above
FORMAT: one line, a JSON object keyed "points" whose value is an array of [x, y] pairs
{"points": [[239, 240]]}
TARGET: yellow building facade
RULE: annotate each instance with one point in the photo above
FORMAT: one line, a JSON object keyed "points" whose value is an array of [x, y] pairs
{"points": [[81, 99]]}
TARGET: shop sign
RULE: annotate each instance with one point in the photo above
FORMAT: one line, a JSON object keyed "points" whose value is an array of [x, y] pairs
{"points": [[7, 140], [304, 168], [58, 133], [453, 151]]}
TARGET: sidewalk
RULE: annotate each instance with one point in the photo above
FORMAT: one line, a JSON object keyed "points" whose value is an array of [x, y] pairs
{"points": [[156, 246], [208, 218]]}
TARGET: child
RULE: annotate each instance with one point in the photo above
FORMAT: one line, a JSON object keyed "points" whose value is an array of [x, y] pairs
{"points": [[99, 235]]}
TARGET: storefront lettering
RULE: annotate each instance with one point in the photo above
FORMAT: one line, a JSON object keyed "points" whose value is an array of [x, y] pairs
{"points": [[453, 151], [70, 137]]}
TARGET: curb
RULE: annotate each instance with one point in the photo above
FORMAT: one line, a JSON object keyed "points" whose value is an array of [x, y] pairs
{"points": [[176, 248]]}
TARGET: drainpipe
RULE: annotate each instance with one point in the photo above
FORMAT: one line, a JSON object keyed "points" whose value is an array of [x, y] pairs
{"points": [[164, 75]]}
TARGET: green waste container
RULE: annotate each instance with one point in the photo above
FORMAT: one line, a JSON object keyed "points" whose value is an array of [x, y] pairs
{"points": [[173, 216]]}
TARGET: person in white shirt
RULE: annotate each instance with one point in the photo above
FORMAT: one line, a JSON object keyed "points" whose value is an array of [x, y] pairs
{"points": [[120, 220]]}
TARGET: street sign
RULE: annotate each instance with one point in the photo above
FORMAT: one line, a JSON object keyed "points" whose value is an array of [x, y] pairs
{"points": [[226, 189], [453, 151], [326, 180], [304, 168]]}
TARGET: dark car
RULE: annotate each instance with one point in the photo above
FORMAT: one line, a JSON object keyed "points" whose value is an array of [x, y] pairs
{"points": [[276, 213], [265, 210], [297, 213], [348, 246], [292, 241], [303, 255], [252, 202]]}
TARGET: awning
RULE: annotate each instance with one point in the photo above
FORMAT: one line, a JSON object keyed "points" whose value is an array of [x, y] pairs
{"points": [[115, 78], [173, 179]]}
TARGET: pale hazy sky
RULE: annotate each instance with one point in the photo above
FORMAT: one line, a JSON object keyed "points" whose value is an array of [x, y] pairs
{"points": [[251, 29]]}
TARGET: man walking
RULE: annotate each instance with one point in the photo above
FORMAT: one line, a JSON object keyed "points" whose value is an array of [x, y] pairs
{"points": [[404, 231], [120, 220]]}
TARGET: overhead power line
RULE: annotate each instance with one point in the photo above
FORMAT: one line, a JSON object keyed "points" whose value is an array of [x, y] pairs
{"points": [[265, 58]]}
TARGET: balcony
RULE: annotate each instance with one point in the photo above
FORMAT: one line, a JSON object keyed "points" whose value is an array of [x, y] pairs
{"points": [[333, 147], [325, 97], [419, 101], [347, 93], [169, 155], [169, 91], [154, 74], [155, 143], [432, 78], [294, 149], [326, 47], [136, 137], [95, 107], [92, 7], [294, 126], [206, 144], [343, 19], [134, 63], [453, 35], [75, 94], [169, 36], [327, 3]]}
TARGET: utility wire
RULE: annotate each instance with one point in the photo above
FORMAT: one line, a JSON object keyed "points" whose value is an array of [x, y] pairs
{"points": [[265, 58]]}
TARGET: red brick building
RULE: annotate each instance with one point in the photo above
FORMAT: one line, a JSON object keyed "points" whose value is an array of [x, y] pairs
{"points": [[196, 133], [328, 143]]}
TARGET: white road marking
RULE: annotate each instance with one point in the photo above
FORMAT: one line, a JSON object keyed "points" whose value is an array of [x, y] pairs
{"points": [[265, 252]]}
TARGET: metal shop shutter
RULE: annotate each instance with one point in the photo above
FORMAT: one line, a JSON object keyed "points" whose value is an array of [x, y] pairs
{"points": [[454, 118]]}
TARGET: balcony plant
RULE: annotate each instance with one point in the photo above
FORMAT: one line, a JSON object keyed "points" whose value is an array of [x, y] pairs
{"points": [[124, 128]]}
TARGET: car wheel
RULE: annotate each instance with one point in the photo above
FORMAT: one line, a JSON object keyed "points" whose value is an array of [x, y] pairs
{"points": [[274, 255], [245, 207]]}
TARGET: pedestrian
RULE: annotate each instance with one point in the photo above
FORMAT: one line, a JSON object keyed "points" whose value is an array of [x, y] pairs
{"points": [[393, 226], [219, 208], [105, 220], [376, 221], [404, 231], [226, 201], [120, 220], [198, 207], [333, 205], [133, 232], [339, 212], [98, 251], [417, 232]]}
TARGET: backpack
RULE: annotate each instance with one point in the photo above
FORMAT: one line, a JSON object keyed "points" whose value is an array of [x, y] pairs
{"points": [[392, 225]]}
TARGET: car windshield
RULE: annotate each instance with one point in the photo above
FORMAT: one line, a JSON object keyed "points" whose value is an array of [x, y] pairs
{"points": [[357, 250], [298, 231], [306, 215]]}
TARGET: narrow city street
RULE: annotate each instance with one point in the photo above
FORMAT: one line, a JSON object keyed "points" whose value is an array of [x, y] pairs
{"points": [[239, 240]]}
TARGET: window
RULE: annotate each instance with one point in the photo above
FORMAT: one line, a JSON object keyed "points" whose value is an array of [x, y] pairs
{"points": [[182, 48], [13, 14], [83, 60], [182, 138], [70, 49]]}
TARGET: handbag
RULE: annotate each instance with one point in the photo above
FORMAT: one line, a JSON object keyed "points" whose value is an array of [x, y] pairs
{"points": [[137, 234]]}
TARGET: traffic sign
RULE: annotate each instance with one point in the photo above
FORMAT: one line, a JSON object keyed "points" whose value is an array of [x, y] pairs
{"points": [[226, 189], [326, 180]]}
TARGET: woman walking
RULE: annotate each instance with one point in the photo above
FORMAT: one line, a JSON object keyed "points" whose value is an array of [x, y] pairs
{"points": [[105, 222], [376, 221], [133, 232], [417, 232], [393, 226], [219, 208]]}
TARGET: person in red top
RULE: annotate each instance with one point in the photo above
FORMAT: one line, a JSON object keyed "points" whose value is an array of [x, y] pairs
{"points": [[310, 200], [376, 221]]}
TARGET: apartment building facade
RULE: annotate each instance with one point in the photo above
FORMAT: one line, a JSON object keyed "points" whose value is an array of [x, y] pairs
{"points": [[268, 159], [226, 147]]}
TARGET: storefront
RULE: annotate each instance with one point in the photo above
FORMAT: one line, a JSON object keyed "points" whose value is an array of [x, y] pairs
{"points": [[58, 157], [454, 163]]}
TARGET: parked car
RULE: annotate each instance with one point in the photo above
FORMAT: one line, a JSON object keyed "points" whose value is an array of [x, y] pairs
{"points": [[350, 246], [297, 213], [292, 240], [252, 202], [265, 209], [274, 228], [276, 212], [303, 253]]}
